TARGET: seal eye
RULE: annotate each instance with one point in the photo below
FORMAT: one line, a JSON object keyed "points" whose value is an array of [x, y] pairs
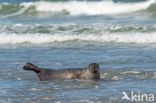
{"points": [[91, 66], [97, 66]]}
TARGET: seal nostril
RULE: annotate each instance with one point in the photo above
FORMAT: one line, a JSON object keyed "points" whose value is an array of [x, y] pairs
{"points": [[94, 68], [95, 71]]}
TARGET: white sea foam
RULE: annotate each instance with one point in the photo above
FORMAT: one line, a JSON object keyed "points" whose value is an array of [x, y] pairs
{"points": [[89, 8], [143, 38], [131, 72]]}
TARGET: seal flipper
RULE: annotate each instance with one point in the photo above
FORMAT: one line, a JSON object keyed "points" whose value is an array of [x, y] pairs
{"points": [[32, 67]]}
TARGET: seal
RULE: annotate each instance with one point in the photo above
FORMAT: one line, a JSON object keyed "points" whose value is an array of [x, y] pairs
{"points": [[91, 72]]}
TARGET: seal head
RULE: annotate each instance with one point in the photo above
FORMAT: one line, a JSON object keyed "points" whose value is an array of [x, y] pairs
{"points": [[92, 72], [93, 68]]}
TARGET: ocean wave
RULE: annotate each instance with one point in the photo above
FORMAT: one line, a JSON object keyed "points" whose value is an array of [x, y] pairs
{"points": [[75, 29], [46, 8], [138, 38], [71, 33]]}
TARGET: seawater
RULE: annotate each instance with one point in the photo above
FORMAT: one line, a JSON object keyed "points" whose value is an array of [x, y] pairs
{"points": [[120, 35]]}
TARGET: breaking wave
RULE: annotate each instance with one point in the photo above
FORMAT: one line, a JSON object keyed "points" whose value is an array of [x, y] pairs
{"points": [[47, 8], [103, 33], [143, 38]]}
